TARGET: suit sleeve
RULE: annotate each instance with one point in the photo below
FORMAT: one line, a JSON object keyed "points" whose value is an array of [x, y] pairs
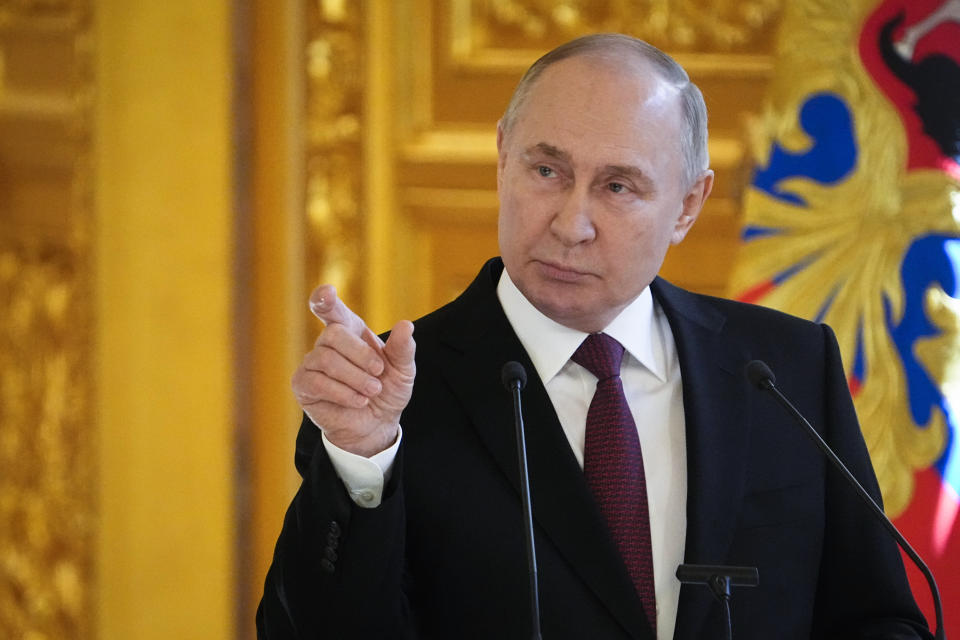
{"points": [[337, 569], [863, 591]]}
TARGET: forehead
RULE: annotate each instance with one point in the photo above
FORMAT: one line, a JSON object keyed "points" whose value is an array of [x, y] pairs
{"points": [[591, 106]]}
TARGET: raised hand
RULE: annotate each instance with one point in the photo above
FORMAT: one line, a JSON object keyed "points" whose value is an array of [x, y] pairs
{"points": [[352, 384]]}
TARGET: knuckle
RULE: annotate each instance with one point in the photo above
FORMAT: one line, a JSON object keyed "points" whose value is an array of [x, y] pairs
{"points": [[336, 333], [310, 387], [296, 380], [338, 396], [326, 359], [317, 387]]}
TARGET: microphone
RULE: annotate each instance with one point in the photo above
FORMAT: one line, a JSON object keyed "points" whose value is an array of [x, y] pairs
{"points": [[514, 378], [760, 375], [512, 374]]}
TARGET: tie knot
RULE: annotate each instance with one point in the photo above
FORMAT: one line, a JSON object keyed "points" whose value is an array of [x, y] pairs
{"points": [[600, 355]]}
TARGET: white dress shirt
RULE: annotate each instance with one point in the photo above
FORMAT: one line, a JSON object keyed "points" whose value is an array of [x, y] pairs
{"points": [[651, 380]]}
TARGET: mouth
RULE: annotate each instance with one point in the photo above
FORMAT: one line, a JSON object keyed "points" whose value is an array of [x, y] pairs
{"points": [[563, 273]]}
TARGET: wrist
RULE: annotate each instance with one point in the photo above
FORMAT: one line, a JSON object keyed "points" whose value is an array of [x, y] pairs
{"points": [[368, 445]]}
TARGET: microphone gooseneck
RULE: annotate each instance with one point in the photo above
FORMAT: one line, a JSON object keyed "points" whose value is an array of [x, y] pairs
{"points": [[514, 378], [760, 375]]}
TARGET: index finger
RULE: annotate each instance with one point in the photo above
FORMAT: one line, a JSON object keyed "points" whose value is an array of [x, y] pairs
{"points": [[326, 305]]}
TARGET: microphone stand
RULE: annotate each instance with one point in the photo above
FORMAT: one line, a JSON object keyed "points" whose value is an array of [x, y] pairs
{"points": [[514, 379], [760, 375], [719, 579]]}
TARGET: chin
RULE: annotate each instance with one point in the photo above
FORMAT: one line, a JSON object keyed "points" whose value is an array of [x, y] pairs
{"points": [[569, 315]]}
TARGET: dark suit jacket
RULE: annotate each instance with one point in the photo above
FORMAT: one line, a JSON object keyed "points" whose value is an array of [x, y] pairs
{"points": [[443, 556]]}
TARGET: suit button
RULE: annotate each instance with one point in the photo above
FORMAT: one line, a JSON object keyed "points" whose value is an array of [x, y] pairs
{"points": [[334, 528], [332, 541], [327, 566], [330, 554]]}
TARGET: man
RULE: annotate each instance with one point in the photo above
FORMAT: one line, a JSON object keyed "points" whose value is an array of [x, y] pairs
{"points": [[418, 534]]}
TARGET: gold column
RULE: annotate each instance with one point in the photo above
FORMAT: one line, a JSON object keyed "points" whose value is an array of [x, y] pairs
{"points": [[163, 290], [276, 303]]}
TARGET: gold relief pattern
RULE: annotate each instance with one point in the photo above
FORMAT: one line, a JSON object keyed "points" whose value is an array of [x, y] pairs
{"points": [[29, 11], [334, 105], [48, 515], [677, 25]]}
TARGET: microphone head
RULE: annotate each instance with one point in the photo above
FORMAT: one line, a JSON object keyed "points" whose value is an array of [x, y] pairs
{"points": [[513, 373], [760, 375]]}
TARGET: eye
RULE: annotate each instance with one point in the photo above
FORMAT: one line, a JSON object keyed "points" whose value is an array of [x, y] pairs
{"points": [[545, 171], [616, 187]]}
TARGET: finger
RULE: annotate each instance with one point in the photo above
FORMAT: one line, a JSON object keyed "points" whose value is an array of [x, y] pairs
{"points": [[358, 350], [334, 365], [326, 305], [373, 340], [313, 390]]}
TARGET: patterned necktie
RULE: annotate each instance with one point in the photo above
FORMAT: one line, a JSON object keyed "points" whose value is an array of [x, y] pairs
{"points": [[613, 465]]}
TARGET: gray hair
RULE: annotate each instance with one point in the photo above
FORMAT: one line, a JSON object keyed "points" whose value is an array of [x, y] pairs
{"points": [[696, 157]]}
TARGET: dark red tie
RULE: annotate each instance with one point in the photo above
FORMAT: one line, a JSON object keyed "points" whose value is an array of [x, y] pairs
{"points": [[613, 465]]}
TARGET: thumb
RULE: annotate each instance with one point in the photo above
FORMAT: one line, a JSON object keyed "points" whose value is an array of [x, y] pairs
{"points": [[401, 347]]}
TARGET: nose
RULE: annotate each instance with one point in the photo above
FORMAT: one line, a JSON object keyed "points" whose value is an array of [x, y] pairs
{"points": [[573, 222]]}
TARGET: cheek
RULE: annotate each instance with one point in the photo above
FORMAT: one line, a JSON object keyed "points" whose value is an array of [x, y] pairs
{"points": [[635, 247], [509, 228], [519, 218]]}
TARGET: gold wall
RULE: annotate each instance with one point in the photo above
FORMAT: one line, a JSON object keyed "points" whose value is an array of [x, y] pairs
{"points": [[164, 348], [174, 179]]}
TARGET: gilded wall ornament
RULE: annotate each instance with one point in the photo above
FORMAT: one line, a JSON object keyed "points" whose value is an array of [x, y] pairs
{"points": [[48, 512], [334, 63], [670, 24]]}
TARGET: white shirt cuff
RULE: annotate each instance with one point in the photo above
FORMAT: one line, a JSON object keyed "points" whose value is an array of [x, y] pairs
{"points": [[363, 477]]}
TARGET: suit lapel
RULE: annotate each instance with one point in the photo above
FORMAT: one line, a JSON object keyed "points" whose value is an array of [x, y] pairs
{"points": [[716, 428], [563, 508]]}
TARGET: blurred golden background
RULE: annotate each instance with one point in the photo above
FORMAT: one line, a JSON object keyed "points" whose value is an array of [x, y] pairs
{"points": [[174, 178]]}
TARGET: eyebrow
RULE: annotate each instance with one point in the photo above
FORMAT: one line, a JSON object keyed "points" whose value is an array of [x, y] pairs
{"points": [[632, 172], [547, 150]]}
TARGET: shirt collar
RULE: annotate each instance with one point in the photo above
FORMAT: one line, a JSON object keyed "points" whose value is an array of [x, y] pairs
{"points": [[550, 344]]}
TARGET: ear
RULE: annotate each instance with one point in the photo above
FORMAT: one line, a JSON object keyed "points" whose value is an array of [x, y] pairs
{"points": [[501, 152], [693, 201]]}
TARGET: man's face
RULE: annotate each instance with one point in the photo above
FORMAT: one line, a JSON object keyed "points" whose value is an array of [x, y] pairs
{"points": [[591, 189]]}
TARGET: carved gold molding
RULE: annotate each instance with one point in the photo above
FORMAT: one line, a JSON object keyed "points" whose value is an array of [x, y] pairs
{"points": [[48, 513], [334, 170], [503, 34], [673, 23], [43, 14]]}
